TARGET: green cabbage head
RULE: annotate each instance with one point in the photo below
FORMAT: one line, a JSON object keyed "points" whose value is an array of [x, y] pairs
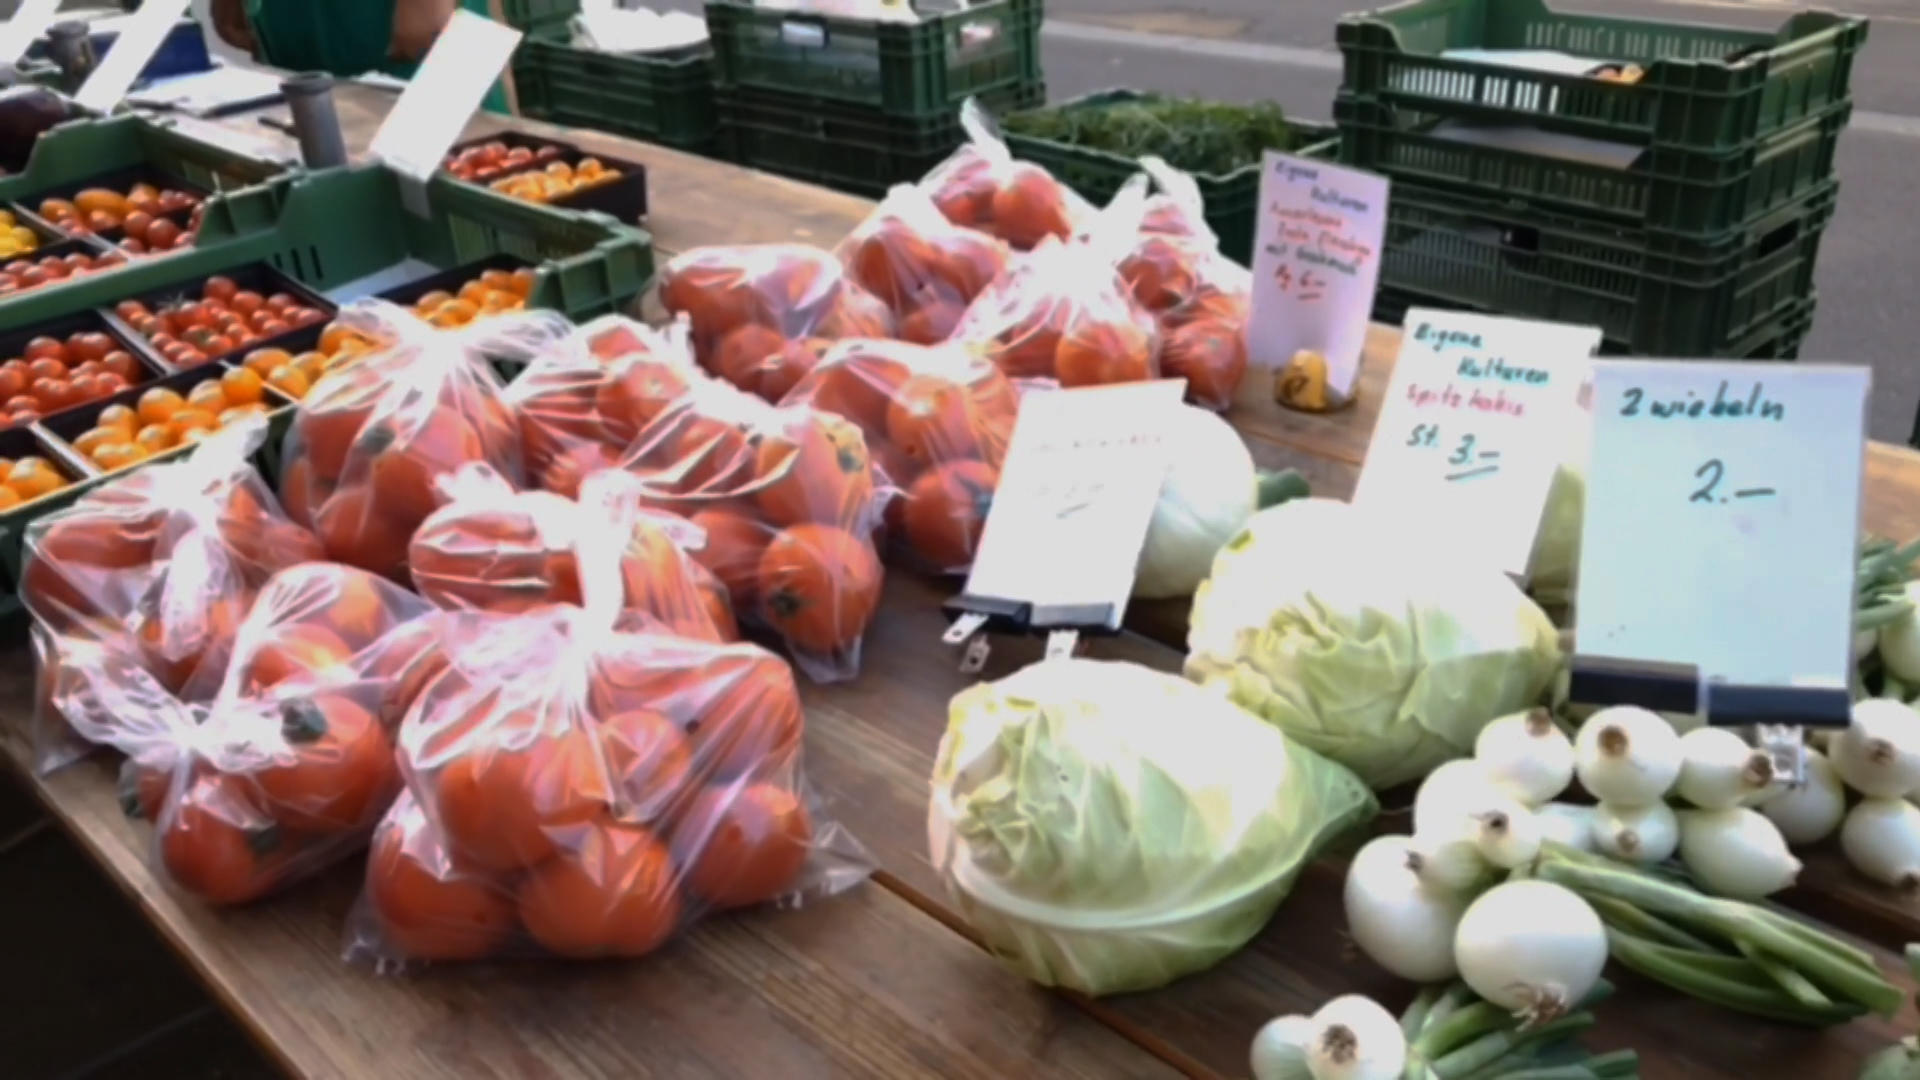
{"points": [[1107, 828], [1343, 632]]}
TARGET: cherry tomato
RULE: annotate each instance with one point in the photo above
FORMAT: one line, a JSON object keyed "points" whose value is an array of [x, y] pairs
{"points": [[219, 288], [246, 302], [45, 346], [121, 363], [46, 367]]}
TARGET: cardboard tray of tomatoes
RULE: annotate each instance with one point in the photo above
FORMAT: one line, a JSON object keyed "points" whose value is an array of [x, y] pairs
{"points": [[624, 199], [189, 326]]}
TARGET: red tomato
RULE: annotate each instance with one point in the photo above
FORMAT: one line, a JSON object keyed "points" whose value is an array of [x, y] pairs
{"points": [[45, 346], [246, 302], [121, 363], [46, 367], [219, 288], [89, 346], [282, 303]]}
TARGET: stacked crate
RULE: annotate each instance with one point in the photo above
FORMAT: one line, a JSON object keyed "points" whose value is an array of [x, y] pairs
{"points": [[859, 104], [664, 98], [1676, 202]]}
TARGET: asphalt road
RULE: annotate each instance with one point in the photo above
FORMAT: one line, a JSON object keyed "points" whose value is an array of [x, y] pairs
{"points": [[1869, 258]]}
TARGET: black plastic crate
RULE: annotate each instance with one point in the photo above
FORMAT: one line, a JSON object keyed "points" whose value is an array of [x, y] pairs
{"points": [[665, 98], [62, 431], [918, 69], [120, 181], [1650, 295], [253, 277], [624, 199], [62, 249], [16, 443], [851, 150], [148, 367], [1686, 192]]}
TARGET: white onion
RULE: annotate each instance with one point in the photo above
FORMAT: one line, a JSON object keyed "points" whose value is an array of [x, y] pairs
{"points": [[1718, 769], [1627, 756], [1881, 839], [1445, 791], [1878, 754], [1566, 823], [1279, 1049], [1526, 755], [1736, 852], [1638, 834], [1449, 861], [1531, 947], [1399, 921], [1809, 811], [1354, 1038]]}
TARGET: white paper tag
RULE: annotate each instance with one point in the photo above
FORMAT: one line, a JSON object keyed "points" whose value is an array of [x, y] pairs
{"points": [[29, 22], [1722, 518], [140, 37], [465, 61], [1082, 474], [1316, 262], [1467, 441]]}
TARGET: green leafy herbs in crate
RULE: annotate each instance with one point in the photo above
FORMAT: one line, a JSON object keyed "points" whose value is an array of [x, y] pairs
{"points": [[1201, 137]]}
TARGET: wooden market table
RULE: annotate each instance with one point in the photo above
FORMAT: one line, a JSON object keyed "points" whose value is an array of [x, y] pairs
{"points": [[883, 981]]}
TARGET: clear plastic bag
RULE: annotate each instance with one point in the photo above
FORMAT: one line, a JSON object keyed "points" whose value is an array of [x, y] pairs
{"points": [[160, 565], [923, 266], [785, 499], [290, 764], [1174, 269], [762, 313], [581, 784], [982, 187], [1064, 313], [491, 548], [937, 421], [583, 400], [370, 440]]}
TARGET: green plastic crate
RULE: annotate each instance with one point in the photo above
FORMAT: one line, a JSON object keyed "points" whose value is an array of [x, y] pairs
{"points": [[1685, 192], [1710, 88], [903, 69], [80, 149], [851, 150], [662, 99], [1231, 197], [539, 15], [1650, 294], [328, 228]]}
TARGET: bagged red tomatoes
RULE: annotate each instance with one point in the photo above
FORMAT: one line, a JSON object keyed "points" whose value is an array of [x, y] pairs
{"points": [[584, 785], [290, 764], [161, 565], [925, 268], [372, 439], [1064, 313], [762, 313], [491, 548], [1174, 269], [982, 187], [937, 420], [785, 501]]}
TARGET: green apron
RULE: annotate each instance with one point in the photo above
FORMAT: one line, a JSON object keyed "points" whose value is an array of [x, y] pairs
{"points": [[341, 37]]}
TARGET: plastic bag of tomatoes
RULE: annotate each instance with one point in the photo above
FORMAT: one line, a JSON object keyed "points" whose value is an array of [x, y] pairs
{"points": [[937, 421], [370, 441], [577, 789], [924, 267], [762, 313], [785, 501], [1174, 270], [290, 765], [491, 548], [1063, 312], [982, 187], [161, 564], [582, 400]]}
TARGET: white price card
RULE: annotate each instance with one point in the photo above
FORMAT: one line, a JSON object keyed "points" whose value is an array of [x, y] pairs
{"points": [[1722, 519], [1082, 474], [1316, 261], [30, 20], [140, 36], [465, 61], [1469, 435]]}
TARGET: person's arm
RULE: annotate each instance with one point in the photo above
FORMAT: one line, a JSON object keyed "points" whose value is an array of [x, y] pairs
{"points": [[415, 24], [230, 22]]}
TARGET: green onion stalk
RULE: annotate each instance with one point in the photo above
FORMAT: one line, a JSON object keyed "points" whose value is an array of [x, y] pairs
{"points": [[1740, 956], [1453, 1035]]}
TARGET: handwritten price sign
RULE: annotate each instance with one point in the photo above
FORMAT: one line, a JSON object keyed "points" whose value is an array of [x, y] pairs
{"points": [[1468, 437], [1723, 504], [1083, 471], [1316, 261]]}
